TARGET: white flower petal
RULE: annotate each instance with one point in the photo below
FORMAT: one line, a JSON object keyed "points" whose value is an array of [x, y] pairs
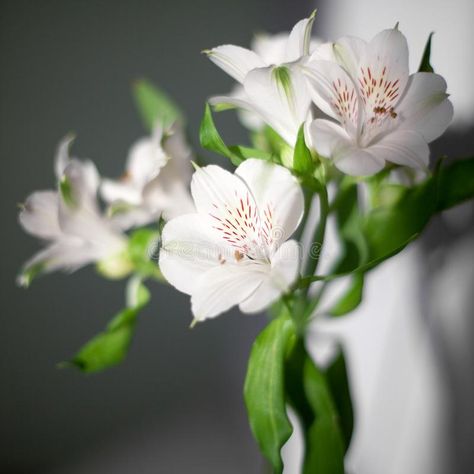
{"points": [[39, 215], [213, 187], [282, 97], [383, 71], [168, 196], [284, 271], [145, 160], [271, 48], [82, 217], [135, 216], [250, 119], [235, 60], [68, 253], [348, 51], [358, 162], [425, 107], [83, 179], [278, 196], [189, 248], [403, 147], [120, 191], [251, 116], [334, 92], [222, 287], [327, 138], [228, 207], [178, 150], [62, 155], [241, 101], [299, 41], [323, 52]]}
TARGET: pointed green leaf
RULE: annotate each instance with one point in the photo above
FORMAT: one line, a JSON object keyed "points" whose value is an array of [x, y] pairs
{"points": [[245, 152], [211, 140], [310, 394], [264, 390], [455, 184], [349, 223], [305, 281], [324, 440], [388, 227], [302, 159], [338, 381], [154, 106], [110, 347], [425, 65]]}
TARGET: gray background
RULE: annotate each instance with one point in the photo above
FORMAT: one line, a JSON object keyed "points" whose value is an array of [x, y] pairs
{"points": [[176, 402], [175, 405]]}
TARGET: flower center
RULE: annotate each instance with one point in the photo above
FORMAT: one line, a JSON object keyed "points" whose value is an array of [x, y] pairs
{"points": [[248, 234], [379, 96]]}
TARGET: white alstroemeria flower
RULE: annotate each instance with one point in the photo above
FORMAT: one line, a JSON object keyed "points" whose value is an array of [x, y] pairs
{"points": [[274, 87], [155, 182], [71, 223], [234, 249], [272, 50], [383, 114]]}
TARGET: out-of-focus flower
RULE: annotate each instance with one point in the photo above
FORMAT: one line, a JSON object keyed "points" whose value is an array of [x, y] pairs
{"points": [[71, 223], [273, 86], [383, 114], [155, 182], [234, 249]]}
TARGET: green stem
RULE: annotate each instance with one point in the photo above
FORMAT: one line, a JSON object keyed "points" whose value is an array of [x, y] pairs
{"points": [[319, 233], [308, 197]]}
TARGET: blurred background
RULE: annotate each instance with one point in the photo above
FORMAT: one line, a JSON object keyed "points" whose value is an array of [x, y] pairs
{"points": [[175, 405]]}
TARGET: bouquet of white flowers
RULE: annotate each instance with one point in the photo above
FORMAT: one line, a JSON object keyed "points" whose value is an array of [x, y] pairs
{"points": [[338, 130]]}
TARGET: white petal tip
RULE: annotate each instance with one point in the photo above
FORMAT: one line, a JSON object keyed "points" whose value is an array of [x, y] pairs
{"points": [[193, 323]]}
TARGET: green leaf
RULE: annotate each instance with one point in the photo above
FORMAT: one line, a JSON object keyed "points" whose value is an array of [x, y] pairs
{"points": [[324, 440], [455, 184], [302, 159], [338, 381], [425, 65], [109, 347], [274, 141], [312, 394], [305, 281], [398, 219], [387, 228], [245, 152], [352, 298], [211, 140], [349, 223], [154, 105], [264, 390]]}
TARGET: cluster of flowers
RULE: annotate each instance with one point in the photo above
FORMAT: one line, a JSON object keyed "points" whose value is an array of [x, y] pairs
{"points": [[226, 240]]}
